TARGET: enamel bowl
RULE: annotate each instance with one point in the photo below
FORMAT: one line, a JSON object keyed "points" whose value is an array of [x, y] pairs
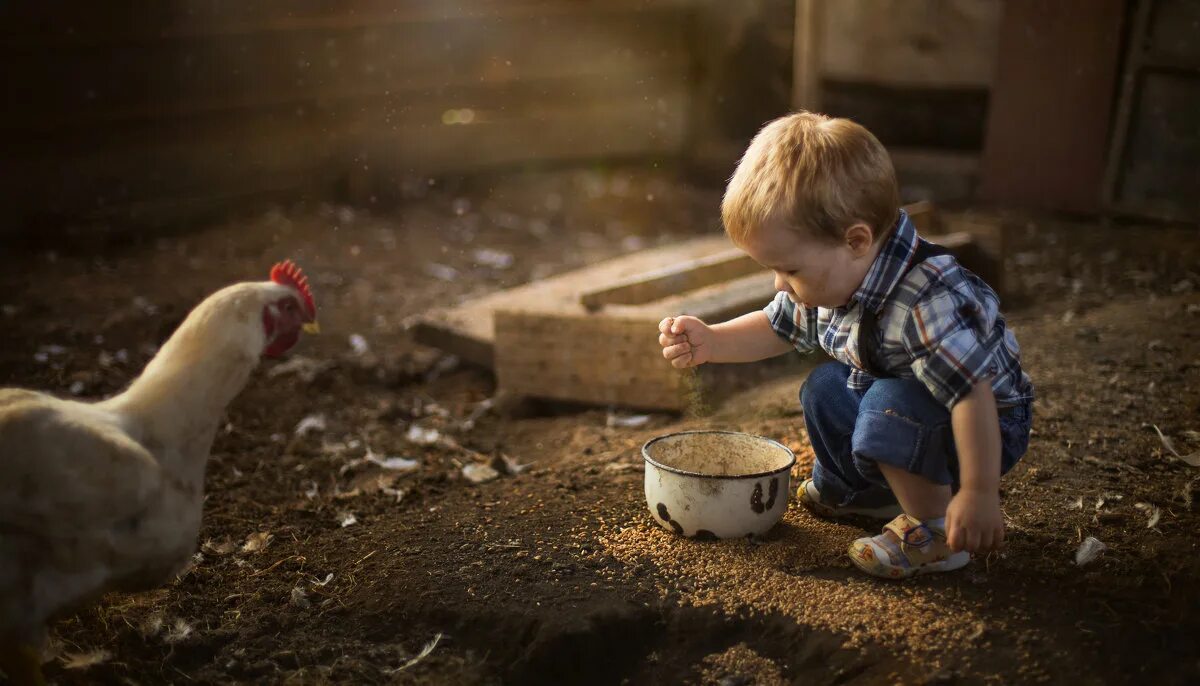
{"points": [[717, 484]]}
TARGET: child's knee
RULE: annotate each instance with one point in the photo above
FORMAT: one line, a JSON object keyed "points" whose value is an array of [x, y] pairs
{"points": [[898, 439], [907, 397], [827, 378]]}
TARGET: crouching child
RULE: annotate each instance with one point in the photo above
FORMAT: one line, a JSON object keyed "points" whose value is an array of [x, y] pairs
{"points": [[925, 405]]}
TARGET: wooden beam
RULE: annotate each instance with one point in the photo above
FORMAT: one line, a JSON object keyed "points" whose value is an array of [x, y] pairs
{"points": [[467, 330], [604, 360], [679, 278], [724, 301]]}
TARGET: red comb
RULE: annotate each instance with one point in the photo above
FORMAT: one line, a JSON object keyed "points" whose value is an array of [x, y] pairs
{"points": [[288, 273]]}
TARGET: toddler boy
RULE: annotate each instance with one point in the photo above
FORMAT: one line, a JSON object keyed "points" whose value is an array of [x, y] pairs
{"points": [[926, 404]]}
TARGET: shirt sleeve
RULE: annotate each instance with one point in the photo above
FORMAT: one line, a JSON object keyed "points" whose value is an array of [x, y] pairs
{"points": [[946, 334], [793, 323]]}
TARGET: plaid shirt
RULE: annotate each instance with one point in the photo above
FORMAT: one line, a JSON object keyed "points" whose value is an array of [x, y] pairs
{"points": [[940, 324]]}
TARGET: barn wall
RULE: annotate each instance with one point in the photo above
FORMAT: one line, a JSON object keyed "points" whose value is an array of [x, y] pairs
{"points": [[1154, 163], [149, 110], [916, 72], [1050, 122]]}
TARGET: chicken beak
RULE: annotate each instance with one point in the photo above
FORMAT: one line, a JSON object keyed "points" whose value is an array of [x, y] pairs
{"points": [[311, 327]]}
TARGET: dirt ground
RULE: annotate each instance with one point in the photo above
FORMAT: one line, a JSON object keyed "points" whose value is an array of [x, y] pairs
{"points": [[317, 566]]}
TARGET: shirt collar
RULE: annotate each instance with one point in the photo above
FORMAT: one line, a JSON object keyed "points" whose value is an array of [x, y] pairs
{"points": [[889, 265]]}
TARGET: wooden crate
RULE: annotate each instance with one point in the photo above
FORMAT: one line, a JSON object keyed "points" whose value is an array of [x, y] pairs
{"points": [[590, 335]]}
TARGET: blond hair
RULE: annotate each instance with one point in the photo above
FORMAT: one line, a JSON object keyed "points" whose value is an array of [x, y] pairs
{"points": [[820, 174]]}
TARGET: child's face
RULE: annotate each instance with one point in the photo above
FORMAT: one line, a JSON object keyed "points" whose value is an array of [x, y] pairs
{"points": [[813, 272]]}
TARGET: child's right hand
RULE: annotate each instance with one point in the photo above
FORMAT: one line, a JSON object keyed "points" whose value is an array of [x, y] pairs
{"points": [[686, 341]]}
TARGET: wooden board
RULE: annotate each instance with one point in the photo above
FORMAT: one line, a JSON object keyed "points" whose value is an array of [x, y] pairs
{"points": [[607, 360], [662, 283], [467, 330], [613, 358]]}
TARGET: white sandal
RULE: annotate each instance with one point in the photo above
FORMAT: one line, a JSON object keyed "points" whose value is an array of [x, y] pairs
{"points": [[907, 547]]}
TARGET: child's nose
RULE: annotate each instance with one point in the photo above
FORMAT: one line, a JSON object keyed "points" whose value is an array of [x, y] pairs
{"points": [[781, 283]]}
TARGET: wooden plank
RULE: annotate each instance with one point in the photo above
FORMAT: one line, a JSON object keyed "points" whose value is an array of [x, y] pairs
{"points": [[723, 301], [467, 330], [688, 276], [609, 361], [715, 303]]}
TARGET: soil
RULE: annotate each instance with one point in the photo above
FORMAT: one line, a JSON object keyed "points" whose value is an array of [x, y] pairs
{"points": [[317, 566], [719, 454]]}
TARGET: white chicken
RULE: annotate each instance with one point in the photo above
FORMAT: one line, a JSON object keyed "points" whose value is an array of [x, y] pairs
{"points": [[104, 496]]}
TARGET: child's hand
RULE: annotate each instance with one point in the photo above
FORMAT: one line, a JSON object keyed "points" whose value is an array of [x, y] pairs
{"points": [[974, 521], [686, 341]]}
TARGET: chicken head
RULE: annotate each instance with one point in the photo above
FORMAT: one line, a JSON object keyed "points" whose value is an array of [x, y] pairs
{"points": [[292, 312]]}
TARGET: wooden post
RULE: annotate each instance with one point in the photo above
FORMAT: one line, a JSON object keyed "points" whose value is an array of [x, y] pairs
{"points": [[806, 57]]}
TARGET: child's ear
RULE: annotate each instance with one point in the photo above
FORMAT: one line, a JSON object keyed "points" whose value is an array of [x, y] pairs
{"points": [[859, 238]]}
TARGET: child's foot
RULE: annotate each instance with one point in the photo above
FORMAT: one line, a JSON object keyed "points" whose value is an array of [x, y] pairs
{"points": [[907, 548], [811, 499]]}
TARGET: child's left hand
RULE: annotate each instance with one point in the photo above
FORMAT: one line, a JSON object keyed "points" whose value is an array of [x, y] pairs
{"points": [[974, 521]]}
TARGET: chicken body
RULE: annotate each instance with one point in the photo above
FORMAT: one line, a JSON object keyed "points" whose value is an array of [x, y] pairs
{"points": [[109, 496]]}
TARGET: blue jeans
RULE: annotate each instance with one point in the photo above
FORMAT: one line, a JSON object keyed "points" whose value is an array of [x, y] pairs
{"points": [[896, 422]]}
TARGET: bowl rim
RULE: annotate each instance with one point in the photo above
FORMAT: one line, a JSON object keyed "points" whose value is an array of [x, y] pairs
{"points": [[701, 475]]}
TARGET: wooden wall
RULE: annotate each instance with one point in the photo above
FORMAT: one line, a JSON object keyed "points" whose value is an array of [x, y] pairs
{"points": [[743, 78], [1052, 106], [915, 72], [1154, 163], [148, 110]]}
